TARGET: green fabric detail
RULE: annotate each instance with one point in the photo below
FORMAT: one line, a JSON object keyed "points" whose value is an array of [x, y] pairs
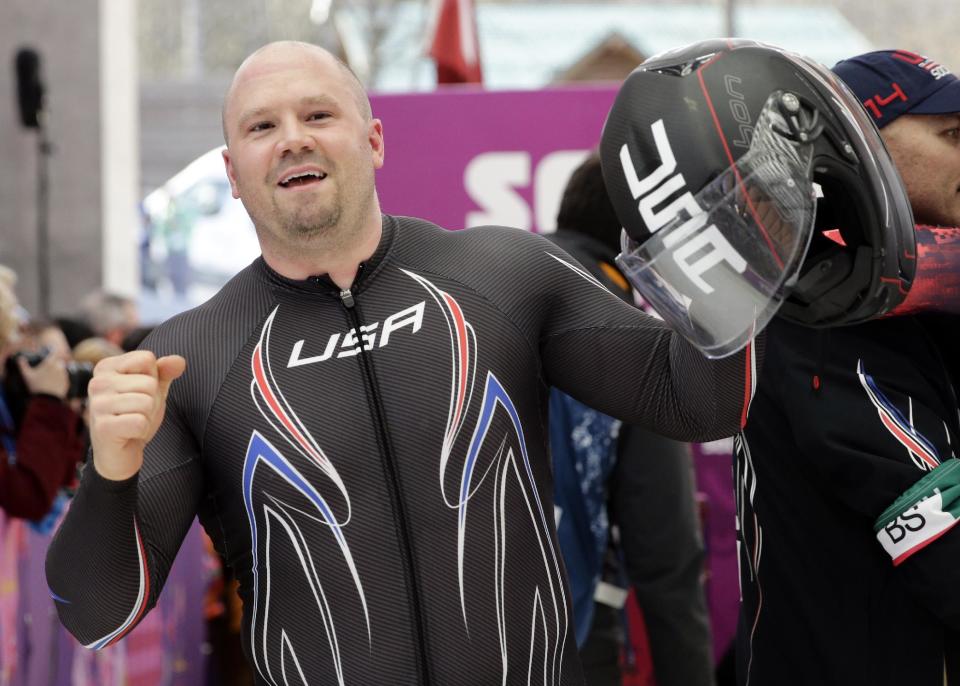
{"points": [[945, 479]]}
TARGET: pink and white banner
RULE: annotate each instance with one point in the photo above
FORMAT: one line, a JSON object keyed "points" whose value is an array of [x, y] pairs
{"points": [[463, 156]]}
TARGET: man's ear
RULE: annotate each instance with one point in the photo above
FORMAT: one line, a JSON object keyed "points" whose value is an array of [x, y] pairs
{"points": [[228, 163], [375, 137]]}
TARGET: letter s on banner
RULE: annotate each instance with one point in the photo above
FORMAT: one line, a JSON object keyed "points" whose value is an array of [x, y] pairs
{"points": [[491, 180], [550, 178]]}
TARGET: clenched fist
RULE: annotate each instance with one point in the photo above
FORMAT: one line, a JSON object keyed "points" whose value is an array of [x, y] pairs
{"points": [[127, 399]]}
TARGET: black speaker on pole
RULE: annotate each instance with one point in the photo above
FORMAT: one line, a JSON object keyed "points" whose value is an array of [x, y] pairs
{"points": [[30, 99], [29, 87]]}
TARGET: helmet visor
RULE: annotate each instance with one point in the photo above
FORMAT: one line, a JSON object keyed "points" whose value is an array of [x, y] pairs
{"points": [[719, 270]]}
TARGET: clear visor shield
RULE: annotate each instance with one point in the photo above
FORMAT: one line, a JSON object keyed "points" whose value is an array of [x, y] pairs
{"points": [[720, 268]]}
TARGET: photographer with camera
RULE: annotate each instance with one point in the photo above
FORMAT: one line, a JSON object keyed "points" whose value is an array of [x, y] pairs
{"points": [[40, 435]]}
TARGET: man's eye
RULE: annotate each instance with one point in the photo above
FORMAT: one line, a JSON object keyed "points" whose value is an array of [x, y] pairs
{"points": [[318, 116], [261, 126]]}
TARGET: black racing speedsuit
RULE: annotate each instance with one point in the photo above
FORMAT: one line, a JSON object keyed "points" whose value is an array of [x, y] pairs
{"points": [[372, 463], [844, 421]]}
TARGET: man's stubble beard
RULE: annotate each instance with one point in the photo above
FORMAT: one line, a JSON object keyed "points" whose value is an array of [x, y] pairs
{"points": [[331, 230], [317, 222]]}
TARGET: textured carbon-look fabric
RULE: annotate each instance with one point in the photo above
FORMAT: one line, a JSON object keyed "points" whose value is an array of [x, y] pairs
{"points": [[388, 512]]}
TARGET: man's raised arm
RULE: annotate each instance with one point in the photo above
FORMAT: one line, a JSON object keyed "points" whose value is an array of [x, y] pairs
{"points": [[111, 555]]}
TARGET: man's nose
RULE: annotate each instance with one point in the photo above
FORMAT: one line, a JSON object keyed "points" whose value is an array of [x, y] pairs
{"points": [[296, 138]]}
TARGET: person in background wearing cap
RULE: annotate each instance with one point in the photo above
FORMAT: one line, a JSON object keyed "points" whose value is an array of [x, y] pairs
{"points": [[847, 473], [916, 104]]}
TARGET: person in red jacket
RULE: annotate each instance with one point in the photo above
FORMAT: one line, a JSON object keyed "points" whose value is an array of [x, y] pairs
{"points": [[40, 448]]}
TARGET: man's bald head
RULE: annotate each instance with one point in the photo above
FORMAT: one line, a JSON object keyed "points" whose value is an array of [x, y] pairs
{"points": [[295, 49]]}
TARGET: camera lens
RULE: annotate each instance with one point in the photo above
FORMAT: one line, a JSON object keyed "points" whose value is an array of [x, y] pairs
{"points": [[79, 374]]}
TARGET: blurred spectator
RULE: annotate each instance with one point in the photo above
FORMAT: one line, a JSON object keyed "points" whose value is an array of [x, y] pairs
{"points": [[110, 315], [40, 436], [74, 329], [607, 473], [92, 350], [41, 334]]}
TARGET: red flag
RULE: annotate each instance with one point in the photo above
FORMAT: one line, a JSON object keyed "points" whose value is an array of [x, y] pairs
{"points": [[454, 43]]}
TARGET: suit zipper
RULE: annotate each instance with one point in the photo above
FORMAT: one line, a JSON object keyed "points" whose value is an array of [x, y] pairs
{"points": [[349, 302]]}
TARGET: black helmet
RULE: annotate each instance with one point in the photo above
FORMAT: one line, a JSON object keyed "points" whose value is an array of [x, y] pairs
{"points": [[766, 151]]}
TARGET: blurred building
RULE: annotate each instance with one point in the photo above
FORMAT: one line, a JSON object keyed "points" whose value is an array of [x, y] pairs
{"points": [[523, 46], [88, 64], [529, 45]]}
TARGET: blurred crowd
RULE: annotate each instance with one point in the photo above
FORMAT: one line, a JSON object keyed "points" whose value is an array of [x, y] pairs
{"points": [[45, 366]]}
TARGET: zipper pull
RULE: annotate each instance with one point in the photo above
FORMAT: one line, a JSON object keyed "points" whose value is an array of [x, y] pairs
{"points": [[346, 297]]}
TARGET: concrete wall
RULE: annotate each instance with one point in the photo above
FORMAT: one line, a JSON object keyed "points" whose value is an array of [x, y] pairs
{"points": [[68, 37]]}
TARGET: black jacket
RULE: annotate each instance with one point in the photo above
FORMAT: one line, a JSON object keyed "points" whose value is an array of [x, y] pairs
{"points": [[819, 462]]}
